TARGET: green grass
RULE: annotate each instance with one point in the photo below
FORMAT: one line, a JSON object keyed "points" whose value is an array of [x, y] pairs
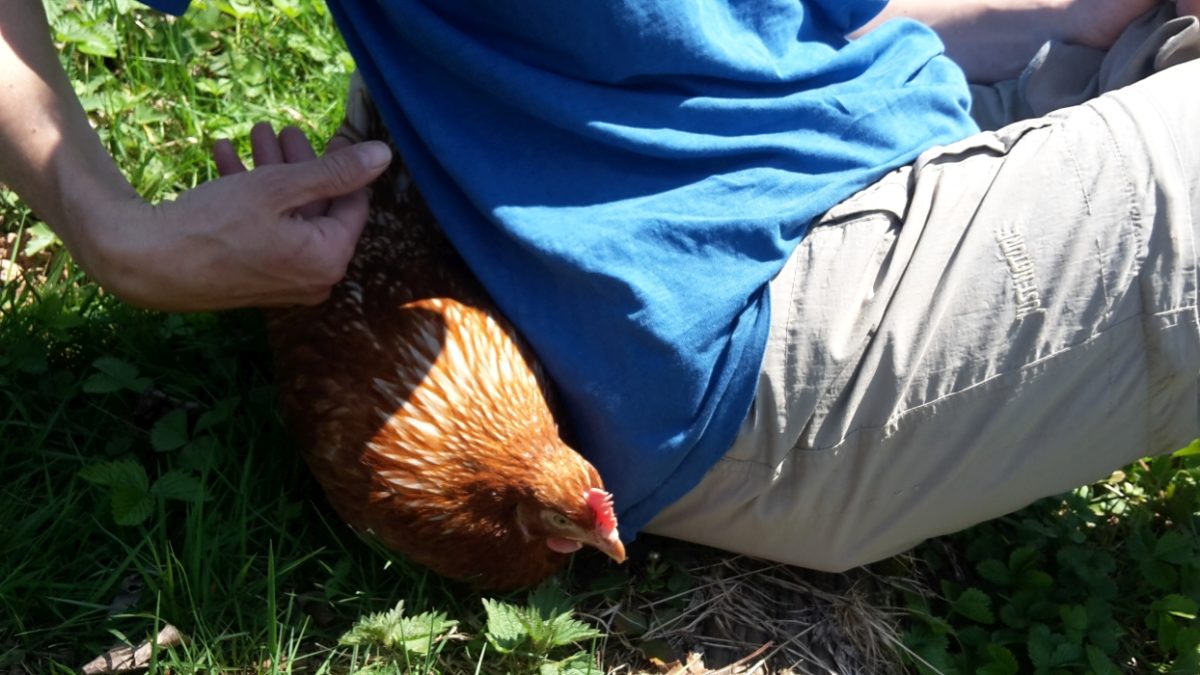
{"points": [[1105, 579], [147, 479]]}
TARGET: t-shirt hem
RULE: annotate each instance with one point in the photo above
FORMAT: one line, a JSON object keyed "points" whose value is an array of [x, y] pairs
{"points": [[176, 7], [712, 446]]}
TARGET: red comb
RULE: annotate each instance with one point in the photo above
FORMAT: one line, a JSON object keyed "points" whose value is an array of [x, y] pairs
{"points": [[602, 506]]}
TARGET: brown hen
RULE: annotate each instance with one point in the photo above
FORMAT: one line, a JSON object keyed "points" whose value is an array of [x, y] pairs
{"points": [[422, 414]]}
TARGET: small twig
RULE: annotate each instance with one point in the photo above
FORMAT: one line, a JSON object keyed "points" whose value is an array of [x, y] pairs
{"points": [[129, 659]]}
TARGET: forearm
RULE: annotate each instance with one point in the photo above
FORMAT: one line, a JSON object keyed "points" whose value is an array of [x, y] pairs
{"points": [[49, 153], [993, 40], [990, 39]]}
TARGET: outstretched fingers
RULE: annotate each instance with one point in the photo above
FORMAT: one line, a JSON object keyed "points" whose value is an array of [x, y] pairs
{"points": [[264, 145], [295, 148], [286, 229], [226, 158], [335, 174]]}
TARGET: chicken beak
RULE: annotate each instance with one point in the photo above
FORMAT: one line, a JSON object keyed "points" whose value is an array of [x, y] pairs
{"points": [[610, 544]]}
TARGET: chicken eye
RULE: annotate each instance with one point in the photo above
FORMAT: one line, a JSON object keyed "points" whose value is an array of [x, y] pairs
{"points": [[558, 520]]}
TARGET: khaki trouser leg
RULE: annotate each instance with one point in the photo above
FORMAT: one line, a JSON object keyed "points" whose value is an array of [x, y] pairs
{"points": [[1013, 316]]}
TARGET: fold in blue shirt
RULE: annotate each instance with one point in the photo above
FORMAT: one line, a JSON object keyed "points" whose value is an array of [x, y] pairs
{"points": [[626, 176]]}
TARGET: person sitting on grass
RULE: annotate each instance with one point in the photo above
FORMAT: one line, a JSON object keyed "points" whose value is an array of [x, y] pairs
{"points": [[796, 303]]}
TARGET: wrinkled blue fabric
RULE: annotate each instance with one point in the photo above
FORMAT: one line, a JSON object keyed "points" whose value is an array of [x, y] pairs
{"points": [[626, 176]]}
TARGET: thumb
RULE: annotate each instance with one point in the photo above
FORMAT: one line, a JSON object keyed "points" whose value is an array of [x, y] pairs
{"points": [[332, 175]]}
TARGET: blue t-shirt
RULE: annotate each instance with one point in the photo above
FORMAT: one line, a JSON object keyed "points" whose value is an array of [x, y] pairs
{"points": [[626, 176]]}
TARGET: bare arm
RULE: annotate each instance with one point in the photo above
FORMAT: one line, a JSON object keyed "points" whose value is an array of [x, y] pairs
{"points": [[994, 39], [39, 117], [279, 234]]}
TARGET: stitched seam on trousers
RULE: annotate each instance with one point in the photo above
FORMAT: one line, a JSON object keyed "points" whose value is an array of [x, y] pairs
{"points": [[1190, 230], [842, 375], [897, 419], [1180, 166], [1136, 224], [791, 378]]}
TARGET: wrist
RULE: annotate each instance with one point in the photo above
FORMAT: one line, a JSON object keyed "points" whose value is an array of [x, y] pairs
{"points": [[104, 236], [1098, 24]]}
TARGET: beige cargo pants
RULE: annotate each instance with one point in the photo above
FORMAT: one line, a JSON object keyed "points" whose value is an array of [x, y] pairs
{"points": [[1012, 316]]}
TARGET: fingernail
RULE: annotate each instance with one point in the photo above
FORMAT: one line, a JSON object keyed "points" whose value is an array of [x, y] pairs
{"points": [[374, 154]]}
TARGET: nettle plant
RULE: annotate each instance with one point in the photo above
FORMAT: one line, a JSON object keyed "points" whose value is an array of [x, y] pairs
{"points": [[536, 637], [1103, 580]]}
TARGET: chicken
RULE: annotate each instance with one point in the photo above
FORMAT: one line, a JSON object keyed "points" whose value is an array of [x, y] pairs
{"points": [[423, 415]]}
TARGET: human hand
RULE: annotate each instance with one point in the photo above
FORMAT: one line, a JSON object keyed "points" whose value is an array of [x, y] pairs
{"points": [[280, 234]]}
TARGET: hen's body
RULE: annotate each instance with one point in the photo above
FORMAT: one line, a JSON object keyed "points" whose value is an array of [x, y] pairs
{"points": [[421, 413]]}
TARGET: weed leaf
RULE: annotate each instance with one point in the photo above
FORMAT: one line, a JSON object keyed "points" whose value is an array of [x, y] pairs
{"points": [[549, 620], [218, 414], [1075, 622], [1101, 664], [237, 8], [124, 473], [176, 484], [1174, 548], [505, 625], [1048, 650], [393, 631], [1000, 661], [995, 571], [1035, 580], [1023, 558], [1178, 606], [1161, 575], [975, 605], [920, 609], [170, 432], [930, 650], [564, 630], [580, 663], [289, 8], [101, 383], [373, 629], [199, 455], [118, 369], [97, 39], [1191, 450], [548, 601], [1040, 646], [114, 375], [131, 506], [418, 634], [41, 237]]}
